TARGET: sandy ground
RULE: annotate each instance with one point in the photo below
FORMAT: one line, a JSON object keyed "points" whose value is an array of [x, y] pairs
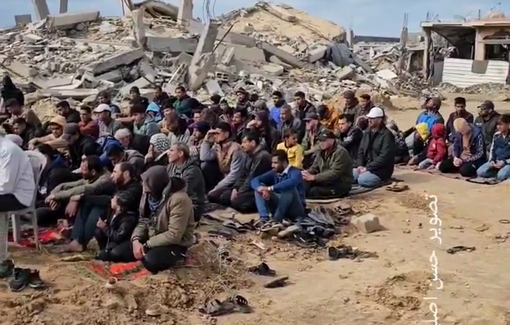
{"points": [[388, 290]]}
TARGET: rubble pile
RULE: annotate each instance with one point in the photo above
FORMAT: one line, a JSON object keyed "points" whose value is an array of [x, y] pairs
{"points": [[485, 88], [73, 56]]}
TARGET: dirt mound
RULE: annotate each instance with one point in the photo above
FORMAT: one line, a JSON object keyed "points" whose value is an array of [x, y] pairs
{"points": [[401, 293]]}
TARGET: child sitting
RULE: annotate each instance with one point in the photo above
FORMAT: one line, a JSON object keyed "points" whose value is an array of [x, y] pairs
{"points": [[292, 148], [437, 150], [421, 136], [117, 229]]}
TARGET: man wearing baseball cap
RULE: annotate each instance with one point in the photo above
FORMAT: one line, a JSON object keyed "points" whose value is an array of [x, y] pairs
{"points": [[487, 121], [107, 124], [330, 175], [376, 155]]}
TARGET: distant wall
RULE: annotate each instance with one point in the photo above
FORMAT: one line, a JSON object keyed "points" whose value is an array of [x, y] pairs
{"points": [[375, 39]]}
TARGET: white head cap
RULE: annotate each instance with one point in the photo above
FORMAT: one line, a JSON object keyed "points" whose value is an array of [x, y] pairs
{"points": [[375, 112], [102, 108]]}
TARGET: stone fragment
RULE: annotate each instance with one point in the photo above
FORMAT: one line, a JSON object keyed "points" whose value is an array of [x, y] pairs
{"points": [[367, 223], [273, 69], [71, 20]]}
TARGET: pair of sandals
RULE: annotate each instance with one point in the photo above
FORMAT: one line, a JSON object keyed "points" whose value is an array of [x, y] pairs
{"points": [[397, 187], [232, 304]]}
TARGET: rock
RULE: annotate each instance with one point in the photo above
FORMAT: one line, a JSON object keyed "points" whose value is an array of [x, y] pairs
{"points": [[273, 69], [367, 223]]}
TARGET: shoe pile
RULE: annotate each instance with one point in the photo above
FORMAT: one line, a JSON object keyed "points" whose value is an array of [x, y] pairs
{"points": [[20, 277]]}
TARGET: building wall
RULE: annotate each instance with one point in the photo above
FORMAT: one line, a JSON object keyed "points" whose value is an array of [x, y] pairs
{"points": [[481, 33]]}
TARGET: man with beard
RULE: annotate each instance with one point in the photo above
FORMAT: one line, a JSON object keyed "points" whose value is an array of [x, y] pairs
{"points": [[349, 134], [352, 105], [239, 122], [290, 122], [275, 110], [258, 161], [376, 155], [178, 129], [487, 121], [310, 142], [243, 100], [96, 181], [200, 129], [94, 207], [183, 166], [330, 175], [107, 124], [223, 162]]}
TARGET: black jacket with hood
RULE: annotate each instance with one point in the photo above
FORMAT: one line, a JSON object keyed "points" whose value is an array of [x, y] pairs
{"points": [[489, 126], [120, 227], [257, 164], [351, 141], [377, 153], [54, 173]]}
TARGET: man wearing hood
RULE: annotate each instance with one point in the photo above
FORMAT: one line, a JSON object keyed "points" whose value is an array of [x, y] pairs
{"points": [[223, 161], [183, 166], [10, 91], [166, 209], [56, 126], [258, 161], [155, 111], [487, 121], [143, 123], [352, 105]]}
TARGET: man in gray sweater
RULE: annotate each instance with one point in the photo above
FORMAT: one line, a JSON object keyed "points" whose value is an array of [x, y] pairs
{"points": [[223, 161]]}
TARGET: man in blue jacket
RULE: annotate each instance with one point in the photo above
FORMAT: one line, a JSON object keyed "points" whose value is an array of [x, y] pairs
{"points": [[499, 163], [280, 191]]}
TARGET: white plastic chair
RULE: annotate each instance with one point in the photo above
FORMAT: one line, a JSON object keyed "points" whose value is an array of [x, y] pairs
{"points": [[38, 162]]}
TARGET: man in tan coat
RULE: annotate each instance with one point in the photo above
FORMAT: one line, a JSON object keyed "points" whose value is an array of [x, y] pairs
{"points": [[165, 229]]}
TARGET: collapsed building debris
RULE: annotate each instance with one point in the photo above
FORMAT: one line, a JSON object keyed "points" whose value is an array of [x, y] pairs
{"points": [[262, 48]]}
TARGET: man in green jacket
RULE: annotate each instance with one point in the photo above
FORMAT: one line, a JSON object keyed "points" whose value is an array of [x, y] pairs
{"points": [[330, 175]]}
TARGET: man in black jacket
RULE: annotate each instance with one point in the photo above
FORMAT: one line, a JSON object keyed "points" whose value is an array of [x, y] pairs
{"points": [[182, 165], [487, 121], [242, 197], [71, 115], [349, 134], [77, 142], [376, 153]]}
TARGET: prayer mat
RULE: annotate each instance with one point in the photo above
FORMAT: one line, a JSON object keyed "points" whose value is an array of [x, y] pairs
{"points": [[100, 270], [356, 189], [50, 235], [484, 181]]}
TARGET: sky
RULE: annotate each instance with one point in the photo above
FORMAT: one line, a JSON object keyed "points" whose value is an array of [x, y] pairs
{"points": [[365, 17]]}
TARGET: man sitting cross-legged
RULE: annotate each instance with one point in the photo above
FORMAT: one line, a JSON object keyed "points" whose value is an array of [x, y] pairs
{"points": [[280, 191], [499, 164]]}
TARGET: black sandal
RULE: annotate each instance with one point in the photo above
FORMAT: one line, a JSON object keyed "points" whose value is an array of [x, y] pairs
{"points": [[277, 283], [457, 249], [262, 269]]}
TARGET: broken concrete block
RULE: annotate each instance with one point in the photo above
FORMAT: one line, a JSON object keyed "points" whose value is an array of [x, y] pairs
{"points": [[70, 20], [345, 73], [317, 54], [117, 60], [273, 69], [282, 55], [31, 38], [20, 69], [41, 9], [185, 12], [168, 44], [228, 56], [148, 71], [249, 54], [138, 26], [112, 76], [367, 223], [206, 41], [386, 74], [140, 83], [278, 12], [275, 60], [213, 87], [183, 58], [198, 73], [75, 93]]}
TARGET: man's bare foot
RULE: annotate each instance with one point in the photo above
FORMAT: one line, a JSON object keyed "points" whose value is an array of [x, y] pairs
{"points": [[73, 247]]}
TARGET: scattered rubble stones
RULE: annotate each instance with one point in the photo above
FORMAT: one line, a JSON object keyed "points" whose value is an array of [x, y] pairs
{"points": [[367, 223]]}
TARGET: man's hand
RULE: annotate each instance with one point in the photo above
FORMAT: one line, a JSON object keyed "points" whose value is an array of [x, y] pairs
{"points": [[75, 198], [433, 166], [361, 169], [457, 162], [234, 194], [101, 224], [72, 208], [266, 194], [262, 189], [307, 176], [49, 198], [138, 250], [499, 164]]}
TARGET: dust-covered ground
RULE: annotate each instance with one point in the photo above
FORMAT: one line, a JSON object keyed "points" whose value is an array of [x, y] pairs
{"points": [[390, 289]]}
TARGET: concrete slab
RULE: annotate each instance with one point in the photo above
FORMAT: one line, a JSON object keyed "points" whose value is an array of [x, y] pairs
{"points": [[23, 20], [317, 54], [112, 76], [20, 69], [213, 87], [173, 45], [344, 73], [117, 60], [140, 83], [183, 58], [45, 83], [138, 26], [31, 38], [278, 12], [70, 20], [273, 69], [147, 71], [282, 55], [75, 93], [275, 60], [185, 12], [199, 74], [41, 9]]}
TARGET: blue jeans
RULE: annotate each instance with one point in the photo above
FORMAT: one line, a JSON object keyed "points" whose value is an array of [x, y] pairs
{"points": [[367, 179], [280, 205], [424, 164], [85, 224], [486, 171]]}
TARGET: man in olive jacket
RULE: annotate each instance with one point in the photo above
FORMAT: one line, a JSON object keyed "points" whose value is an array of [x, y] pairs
{"points": [[376, 155], [330, 175], [167, 209]]}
